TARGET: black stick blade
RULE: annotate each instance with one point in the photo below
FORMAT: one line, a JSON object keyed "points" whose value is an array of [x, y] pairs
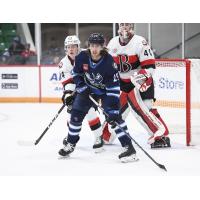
{"points": [[162, 167]]}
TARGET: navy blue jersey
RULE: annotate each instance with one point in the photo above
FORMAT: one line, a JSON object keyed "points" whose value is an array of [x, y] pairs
{"points": [[101, 77]]}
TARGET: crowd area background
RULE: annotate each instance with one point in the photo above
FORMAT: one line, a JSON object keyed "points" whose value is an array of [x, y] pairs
{"points": [[18, 41]]}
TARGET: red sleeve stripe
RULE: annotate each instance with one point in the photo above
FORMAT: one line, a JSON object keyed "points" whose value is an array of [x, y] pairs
{"points": [[147, 62], [116, 59], [70, 80], [131, 59]]}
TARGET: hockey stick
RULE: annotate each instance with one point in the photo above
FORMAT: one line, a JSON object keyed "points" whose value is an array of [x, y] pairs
{"points": [[158, 164], [31, 143]]}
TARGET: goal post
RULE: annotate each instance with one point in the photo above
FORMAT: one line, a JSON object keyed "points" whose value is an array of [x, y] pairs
{"points": [[177, 84]]}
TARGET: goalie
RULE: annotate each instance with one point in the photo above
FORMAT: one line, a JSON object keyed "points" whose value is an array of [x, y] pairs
{"points": [[136, 65]]}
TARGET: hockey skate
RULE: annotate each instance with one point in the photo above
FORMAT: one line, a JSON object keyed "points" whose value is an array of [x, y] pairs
{"points": [[161, 143], [67, 149], [128, 155], [98, 145]]}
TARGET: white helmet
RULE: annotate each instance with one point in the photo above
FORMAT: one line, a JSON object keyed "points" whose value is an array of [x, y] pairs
{"points": [[70, 40]]}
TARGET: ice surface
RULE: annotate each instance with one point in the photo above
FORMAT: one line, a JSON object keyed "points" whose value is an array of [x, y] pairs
{"points": [[26, 121]]}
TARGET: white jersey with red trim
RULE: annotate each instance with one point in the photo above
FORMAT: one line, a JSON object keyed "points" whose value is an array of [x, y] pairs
{"points": [[65, 68], [133, 56]]}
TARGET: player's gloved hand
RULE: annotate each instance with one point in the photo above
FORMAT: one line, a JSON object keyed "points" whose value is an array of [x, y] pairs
{"points": [[142, 80], [68, 97], [113, 115]]}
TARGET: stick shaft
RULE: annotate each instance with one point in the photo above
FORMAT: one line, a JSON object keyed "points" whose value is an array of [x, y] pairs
{"points": [[159, 165], [47, 128]]}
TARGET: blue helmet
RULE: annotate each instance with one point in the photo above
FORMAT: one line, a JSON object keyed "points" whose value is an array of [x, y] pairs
{"points": [[96, 38]]}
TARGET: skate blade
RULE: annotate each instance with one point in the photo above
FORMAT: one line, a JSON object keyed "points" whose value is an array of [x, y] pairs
{"points": [[99, 150], [132, 158], [161, 147], [63, 157]]}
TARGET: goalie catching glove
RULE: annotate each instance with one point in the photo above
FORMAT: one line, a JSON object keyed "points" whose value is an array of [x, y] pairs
{"points": [[142, 80]]}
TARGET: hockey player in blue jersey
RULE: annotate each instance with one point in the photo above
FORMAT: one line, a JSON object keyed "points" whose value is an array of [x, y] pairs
{"points": [[95, 74]]}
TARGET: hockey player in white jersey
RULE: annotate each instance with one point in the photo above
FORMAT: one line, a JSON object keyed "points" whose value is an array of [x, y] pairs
{"points": [[136, 65], [72, 49]]}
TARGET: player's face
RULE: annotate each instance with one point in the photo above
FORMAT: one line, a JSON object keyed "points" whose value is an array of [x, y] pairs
{"points": [[95, 50], [72, 50], [125, 29]]}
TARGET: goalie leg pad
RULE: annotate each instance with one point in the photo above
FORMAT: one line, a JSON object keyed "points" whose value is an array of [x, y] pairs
{"points": [[138, 107], [152, 123], [109, 134], [155, 112]]}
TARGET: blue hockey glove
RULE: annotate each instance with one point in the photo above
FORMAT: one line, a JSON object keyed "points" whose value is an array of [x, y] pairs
{"points": [[113, 116]]}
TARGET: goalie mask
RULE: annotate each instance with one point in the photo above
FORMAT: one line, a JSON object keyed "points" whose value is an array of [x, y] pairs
{"points": [[125, 31], [71, 40]]}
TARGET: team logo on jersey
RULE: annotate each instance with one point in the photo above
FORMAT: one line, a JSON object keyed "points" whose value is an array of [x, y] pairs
{"points": [[85, 67], [95, 80], [144, 42], [124, 65]]}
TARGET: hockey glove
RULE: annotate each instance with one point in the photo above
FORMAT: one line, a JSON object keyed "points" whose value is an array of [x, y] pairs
{"points": [[113, 116], [142, 80], [68, 97]]}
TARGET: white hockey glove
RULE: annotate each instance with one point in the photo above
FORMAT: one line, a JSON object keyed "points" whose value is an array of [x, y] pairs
{"points": [[142, 80]]}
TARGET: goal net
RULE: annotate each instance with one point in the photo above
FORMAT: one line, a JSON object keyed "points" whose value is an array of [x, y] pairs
{"points": [[177, 92]]}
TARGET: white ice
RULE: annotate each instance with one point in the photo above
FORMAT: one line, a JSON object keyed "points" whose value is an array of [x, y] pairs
{"points": [[26, 121]]}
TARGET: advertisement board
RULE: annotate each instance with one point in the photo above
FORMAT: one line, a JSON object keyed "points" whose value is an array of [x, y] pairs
{"points": [[50, 82], [19, 82], [170, 84]]}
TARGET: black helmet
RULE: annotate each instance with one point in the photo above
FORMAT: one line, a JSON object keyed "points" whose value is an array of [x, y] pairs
{"points": [[96, 38]]}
